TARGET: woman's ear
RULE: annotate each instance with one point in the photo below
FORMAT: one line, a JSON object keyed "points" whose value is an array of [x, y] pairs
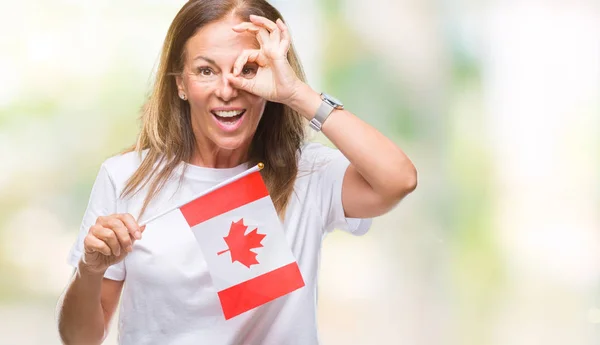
{"points": [[181, 91], [179, 82]]}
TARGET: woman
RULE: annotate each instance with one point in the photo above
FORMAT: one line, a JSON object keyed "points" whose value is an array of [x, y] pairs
{"points": [[229, 93]]}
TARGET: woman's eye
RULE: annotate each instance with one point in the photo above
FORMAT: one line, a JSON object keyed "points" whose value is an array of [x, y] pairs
{"points": [[248, 71], [205, 71]]}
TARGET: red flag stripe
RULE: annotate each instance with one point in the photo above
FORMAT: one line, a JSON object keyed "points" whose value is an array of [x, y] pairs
{"points": [[236, 194], [260, 290]]}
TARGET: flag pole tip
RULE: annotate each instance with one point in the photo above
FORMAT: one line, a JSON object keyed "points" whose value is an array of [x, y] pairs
{"points": [[261, 165]]}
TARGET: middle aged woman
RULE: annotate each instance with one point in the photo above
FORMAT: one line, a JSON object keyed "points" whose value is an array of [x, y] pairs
{"points": [[229, 93]]}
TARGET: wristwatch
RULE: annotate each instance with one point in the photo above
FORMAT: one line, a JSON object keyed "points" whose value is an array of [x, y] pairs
{"points": [[327, 106]]}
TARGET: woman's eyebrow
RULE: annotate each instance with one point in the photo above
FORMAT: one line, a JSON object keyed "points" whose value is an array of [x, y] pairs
{"points": [[209, 60]]}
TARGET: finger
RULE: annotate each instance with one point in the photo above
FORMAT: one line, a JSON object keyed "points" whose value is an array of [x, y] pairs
{"points": [[285, 37], [240, 62], [246, 26], [258, 57], [121, 232], [241, 83], [267, 24], [262, 35], [249, 55], [92, 244], [109, 237], [132, 226], [263, 38], [264, 22]]}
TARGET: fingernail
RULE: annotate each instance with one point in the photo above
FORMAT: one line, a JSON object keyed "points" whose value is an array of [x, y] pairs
{"points": [[138, 235], [118, 252], [129, 249]]}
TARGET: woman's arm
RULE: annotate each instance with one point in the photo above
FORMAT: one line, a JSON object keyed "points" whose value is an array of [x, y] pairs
{"points": [[90, 300], [87, 306], [380, 174]]}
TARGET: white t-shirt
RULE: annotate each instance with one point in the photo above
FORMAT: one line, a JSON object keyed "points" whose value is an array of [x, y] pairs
{"points": [[168, 296]]}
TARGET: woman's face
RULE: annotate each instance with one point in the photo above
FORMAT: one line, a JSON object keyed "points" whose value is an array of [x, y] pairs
{"points": [[222, 116]]}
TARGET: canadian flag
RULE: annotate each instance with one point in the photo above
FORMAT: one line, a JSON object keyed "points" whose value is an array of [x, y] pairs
{"points": [[243, 243]]}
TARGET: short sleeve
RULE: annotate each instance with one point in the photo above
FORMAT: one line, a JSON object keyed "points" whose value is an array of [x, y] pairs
{"points": [[330, 166], [102, 202]]}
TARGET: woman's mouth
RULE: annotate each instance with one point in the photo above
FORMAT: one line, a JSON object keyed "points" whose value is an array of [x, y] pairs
{"points": [[229, 120]]}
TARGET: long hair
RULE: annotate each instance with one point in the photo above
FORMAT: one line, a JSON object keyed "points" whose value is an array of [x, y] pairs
{"points": [[166, 131]]}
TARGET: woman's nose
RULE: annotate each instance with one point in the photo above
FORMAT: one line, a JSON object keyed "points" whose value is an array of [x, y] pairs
{"points": [[225, 90]]}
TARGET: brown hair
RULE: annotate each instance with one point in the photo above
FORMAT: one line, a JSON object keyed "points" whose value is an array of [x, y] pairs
{"points": [[166, 125]]}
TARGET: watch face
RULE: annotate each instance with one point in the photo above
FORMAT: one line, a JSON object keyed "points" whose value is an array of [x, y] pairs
{"points": [[335, 102]]}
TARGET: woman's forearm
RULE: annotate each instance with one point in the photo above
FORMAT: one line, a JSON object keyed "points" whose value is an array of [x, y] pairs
{"points": [[80, 315], [386, 168]]}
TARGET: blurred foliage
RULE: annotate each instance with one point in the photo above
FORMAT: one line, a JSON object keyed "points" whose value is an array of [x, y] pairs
{"points": [[356, 75], [61, 126]]}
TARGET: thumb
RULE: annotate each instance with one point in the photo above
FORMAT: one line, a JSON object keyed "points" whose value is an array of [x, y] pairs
{"points": [[241, 83]]}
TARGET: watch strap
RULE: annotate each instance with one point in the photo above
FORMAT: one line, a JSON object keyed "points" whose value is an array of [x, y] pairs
{"points": [[321, 115]]}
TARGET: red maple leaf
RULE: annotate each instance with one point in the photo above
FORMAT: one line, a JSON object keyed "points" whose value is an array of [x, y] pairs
{"points": [[240, 244]]}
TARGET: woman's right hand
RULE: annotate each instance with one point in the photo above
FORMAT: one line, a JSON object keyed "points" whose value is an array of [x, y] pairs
{"points": [[109, 240]]}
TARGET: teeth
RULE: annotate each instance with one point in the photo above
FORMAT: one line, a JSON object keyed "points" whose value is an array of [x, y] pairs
{"points": [[228, 113]]}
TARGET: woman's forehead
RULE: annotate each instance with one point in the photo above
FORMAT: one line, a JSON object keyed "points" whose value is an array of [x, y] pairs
{"points": [[218, 41]]}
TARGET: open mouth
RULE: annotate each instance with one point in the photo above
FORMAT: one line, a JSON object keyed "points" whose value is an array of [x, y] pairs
{"points": [[229, 120]]}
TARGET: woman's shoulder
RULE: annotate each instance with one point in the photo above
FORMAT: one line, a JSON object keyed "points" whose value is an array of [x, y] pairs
{"points": [[121, 166]]}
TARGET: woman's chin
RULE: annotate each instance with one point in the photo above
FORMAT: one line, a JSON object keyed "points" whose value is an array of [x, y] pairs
{"points": [[232, 143]]}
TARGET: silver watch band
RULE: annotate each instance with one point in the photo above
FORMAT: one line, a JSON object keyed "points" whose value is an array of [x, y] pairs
{"points": [[322, 114]]}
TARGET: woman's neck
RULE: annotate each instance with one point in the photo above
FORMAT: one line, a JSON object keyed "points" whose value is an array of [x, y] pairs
{"points": [[207, 154]]}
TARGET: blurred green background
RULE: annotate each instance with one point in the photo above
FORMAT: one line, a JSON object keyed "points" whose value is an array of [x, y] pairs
{"points": [[497, 103]]}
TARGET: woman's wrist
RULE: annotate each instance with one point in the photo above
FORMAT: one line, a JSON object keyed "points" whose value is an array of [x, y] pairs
{"points": [[86, 271], [305, 101]]}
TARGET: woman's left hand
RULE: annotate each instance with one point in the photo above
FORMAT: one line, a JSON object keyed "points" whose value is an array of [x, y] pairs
{"points": [[275, 80]]}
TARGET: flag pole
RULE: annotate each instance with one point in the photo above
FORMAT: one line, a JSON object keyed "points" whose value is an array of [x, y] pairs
{"points": [[255, 168]]}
